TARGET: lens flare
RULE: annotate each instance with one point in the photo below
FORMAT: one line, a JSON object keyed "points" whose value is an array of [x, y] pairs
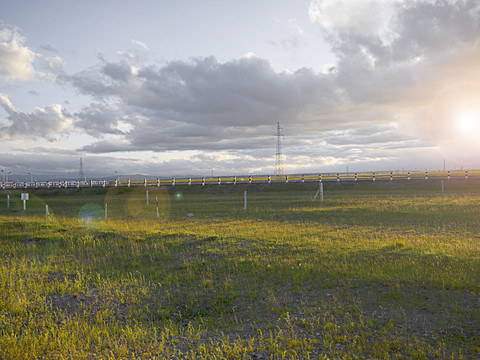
{"points": [[91, 216]]}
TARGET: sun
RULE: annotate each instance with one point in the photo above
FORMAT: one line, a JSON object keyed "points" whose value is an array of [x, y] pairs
{"points": [[467, 123]]}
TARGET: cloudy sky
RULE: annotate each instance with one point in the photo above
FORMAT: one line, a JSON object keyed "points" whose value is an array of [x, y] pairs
{"points": [[189, 87]]}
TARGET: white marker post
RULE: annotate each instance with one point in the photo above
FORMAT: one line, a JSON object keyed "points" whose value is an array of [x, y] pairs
{"points": [[156, 203], [8, 201], [106, 211], [245, 199], [147, 197], [24, 197], [321, 191], [47, 214], [443, 189]]}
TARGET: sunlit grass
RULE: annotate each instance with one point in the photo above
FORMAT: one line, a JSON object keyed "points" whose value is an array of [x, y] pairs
{"points": [[379, 273]]}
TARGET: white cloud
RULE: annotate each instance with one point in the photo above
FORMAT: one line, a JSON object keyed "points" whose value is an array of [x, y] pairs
{"points": [[139, 43], [42, 123], [16, 59]]}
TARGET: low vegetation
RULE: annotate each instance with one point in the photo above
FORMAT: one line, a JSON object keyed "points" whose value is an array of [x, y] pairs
{"points": [[375, 271]]}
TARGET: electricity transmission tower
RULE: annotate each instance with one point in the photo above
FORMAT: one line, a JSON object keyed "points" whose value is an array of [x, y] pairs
{"points": [[278, 152], [81, 174]]}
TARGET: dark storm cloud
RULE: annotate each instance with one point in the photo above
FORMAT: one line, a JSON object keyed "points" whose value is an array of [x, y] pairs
{"points": [[99, 119], [200, 104]]}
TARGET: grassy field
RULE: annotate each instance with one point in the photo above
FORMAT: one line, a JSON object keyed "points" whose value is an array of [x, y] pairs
{"points": [[375, 271]]}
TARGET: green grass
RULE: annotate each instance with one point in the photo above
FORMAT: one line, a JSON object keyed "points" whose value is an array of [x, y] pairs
{"points": [[382, 271]]}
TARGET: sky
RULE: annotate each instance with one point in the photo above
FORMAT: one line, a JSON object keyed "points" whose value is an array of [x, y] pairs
{"points": [[194, 88]]}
